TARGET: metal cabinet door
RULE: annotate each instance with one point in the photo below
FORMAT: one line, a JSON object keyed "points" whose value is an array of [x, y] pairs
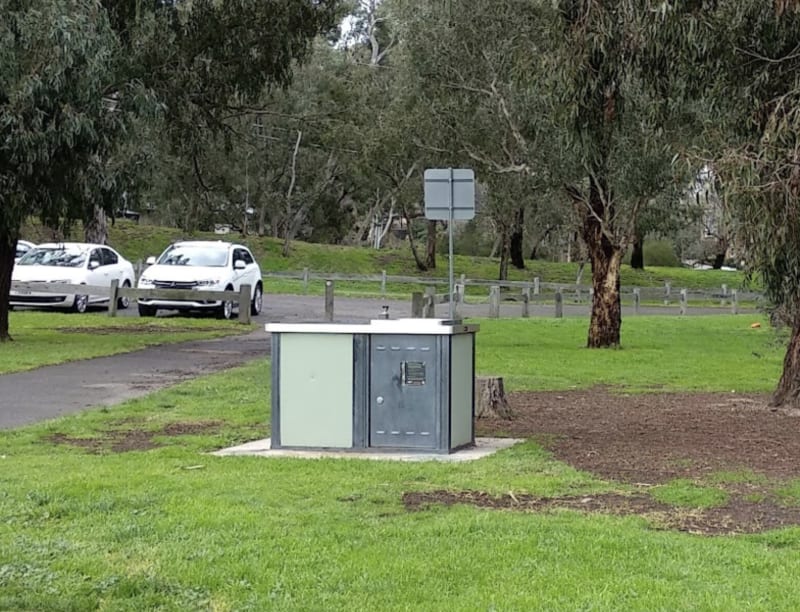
{"points": [[404, 389]]}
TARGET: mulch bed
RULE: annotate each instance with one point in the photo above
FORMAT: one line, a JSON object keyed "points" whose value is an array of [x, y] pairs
{"points": [[646, 440]]}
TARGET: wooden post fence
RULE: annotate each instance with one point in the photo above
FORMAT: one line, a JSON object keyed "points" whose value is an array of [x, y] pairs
{"points": [[494, 301], [416, 305], [526, 300], [429, 304], [329, 300]]}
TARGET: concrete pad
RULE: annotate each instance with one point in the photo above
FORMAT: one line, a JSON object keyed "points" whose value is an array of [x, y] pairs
{"points": [[483, 448]]}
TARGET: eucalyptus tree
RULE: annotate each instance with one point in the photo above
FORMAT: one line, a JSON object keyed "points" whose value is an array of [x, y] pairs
{"points": [[753, 64], [481, 68], [57, 122], [573, 93], [74, 72], [387, 168], [206, 61], [624, 103]]}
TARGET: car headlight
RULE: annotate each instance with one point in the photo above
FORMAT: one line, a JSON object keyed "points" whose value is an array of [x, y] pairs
{"points": [[208, 283], [146, 283]]}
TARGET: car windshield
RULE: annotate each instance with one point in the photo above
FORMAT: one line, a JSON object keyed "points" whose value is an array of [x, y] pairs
{"points": [[194, 255], [62, 257]]}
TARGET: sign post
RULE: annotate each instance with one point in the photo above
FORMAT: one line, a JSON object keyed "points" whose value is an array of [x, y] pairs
{"points": [[450, 196]]}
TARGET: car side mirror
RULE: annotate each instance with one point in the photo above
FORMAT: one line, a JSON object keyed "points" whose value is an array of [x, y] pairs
{"points": [[150, 260], [239, 264], [93, 264]]}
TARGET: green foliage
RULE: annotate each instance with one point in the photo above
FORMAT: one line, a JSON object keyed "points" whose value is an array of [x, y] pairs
{"points": [[756, 86], [659, 253], [72, 87]]}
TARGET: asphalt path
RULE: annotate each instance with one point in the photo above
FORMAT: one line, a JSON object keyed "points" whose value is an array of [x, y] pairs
{"points": [[53, 391]]}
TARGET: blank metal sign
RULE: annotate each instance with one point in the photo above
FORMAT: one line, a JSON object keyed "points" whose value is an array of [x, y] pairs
{"points": [[439, 188]]}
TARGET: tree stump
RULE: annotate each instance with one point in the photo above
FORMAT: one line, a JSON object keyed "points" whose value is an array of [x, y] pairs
{"points": [[490, 398]]}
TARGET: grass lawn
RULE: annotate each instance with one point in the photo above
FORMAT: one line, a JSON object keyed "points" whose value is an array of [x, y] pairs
{"points": [[84, 526], [48, 338], [703, 353]]}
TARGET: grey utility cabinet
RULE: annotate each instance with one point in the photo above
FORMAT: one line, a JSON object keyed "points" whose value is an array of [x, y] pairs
{"points": [[402, 384]]}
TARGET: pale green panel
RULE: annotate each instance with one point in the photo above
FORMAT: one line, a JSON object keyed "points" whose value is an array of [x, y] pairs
{"points": [[462, 389], [316, 387]]}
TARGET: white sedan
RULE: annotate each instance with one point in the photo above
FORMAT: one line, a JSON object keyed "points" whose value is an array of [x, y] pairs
{"points": [[23, 246], [69, 263], [201, 265]]}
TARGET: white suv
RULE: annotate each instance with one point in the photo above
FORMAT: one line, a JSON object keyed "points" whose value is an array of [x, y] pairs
{"points": [[201, 266]]}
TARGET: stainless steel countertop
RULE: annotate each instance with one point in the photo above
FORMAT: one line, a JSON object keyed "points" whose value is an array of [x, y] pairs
{"points": [[434, 327]]}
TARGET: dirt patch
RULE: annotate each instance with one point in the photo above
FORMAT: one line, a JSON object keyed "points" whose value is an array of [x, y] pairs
{"points": [[729, 441], [653, 438], [736, 517], [131, 439]]}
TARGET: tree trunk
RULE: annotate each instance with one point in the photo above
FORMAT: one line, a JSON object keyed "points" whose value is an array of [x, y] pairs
{"points": [[606, 258], [430, 247], [788, 390], [417, 260], [606, 320], [517, 258], [721, 252], [637, 254], [490, 399], [7, 251], [289, 229], [95, 230], [538, 243], [505, 252]]}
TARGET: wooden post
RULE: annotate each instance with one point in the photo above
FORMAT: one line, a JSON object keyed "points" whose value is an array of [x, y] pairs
{"points": [[458, 299], [429, 305], [416, 305], [684, 299], [329, 300], [559, 304], [734, 301], [637, 299], [494, 301], [383, 283], [113, 298], [490, 398], [536, 285], [724, 295], [244, 304], [526, 300], [305, 281], [667, 289]]}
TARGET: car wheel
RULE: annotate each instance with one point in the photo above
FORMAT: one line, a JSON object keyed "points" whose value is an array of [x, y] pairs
{"points": [[225, 310], [124, 302], [258, 301], [147, 311], [81, 303]]}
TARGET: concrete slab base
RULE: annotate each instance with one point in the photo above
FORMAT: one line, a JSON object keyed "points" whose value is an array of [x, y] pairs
{"points": [[483, 448]]}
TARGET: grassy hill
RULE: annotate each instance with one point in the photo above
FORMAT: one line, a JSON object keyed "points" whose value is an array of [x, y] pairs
{"points": [[138, 241]]}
